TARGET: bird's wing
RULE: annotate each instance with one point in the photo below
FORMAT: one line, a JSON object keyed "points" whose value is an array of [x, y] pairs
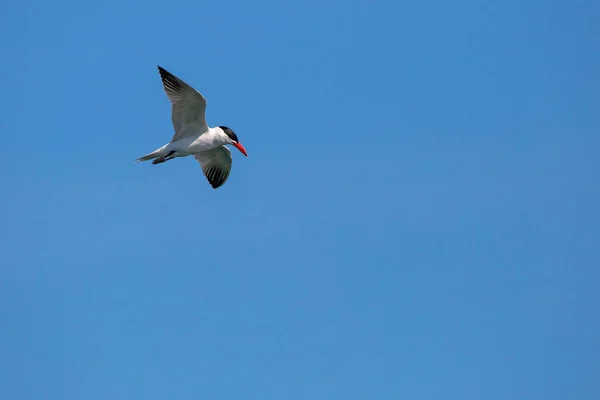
{"points": [[216, 165], [188, 106]]}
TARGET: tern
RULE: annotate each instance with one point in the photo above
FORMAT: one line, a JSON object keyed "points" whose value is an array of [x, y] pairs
{"points": [[192, 134]]}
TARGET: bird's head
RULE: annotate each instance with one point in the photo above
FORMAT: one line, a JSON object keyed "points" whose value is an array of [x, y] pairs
{"points": [[233, 139]]}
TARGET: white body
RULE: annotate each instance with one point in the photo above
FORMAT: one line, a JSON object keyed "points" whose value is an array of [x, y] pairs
{"points": [[198, 143]]}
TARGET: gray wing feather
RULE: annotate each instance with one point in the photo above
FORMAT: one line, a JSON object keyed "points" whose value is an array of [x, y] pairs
{"points": [[188, 106], [216, 165]]}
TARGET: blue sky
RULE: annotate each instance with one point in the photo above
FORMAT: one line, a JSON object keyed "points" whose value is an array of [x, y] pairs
{"points": [[417, 218]]}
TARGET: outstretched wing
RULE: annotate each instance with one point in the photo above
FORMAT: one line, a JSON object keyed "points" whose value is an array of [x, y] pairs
{"points": [[216, 165], [188, 106]]}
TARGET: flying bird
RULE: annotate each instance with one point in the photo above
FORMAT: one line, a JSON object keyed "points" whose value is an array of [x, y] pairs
{"points": [[192, 134]]}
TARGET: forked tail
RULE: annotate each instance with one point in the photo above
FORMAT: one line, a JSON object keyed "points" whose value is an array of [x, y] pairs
{"points": [[157, 156], [149, 156]]}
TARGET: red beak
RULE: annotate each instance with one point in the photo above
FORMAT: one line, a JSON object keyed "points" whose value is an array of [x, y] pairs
{"points": [[240, 148]]}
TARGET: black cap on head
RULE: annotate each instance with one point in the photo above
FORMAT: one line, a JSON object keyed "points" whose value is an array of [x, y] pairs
{"points": [[230, 133]]}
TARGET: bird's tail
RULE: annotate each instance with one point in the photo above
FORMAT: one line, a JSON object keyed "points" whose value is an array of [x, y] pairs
{"points": [[149, 156], [160, 152]]}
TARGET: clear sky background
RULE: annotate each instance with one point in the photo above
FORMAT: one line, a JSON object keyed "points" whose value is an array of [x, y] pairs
{"points": [[418, 217]]}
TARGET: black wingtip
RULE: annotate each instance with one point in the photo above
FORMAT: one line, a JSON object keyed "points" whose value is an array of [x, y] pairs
{"points": [[170, 81], [215, 184], [163, 72]]}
